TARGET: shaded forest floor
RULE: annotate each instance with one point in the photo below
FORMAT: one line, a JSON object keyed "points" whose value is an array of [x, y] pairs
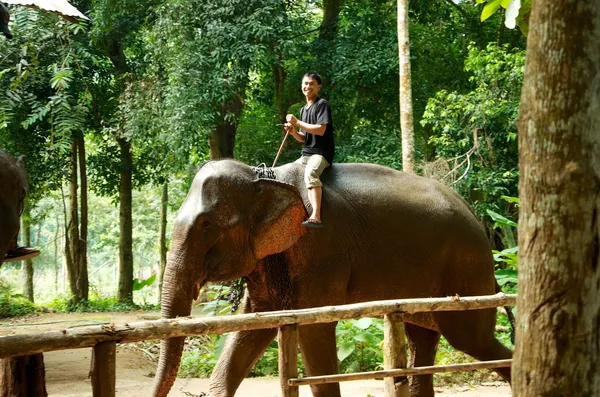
{"points": [[67, 371]]}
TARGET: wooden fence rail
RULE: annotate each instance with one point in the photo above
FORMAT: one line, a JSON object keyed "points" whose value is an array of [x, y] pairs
{"points": [[21, 345], [103, 339]]}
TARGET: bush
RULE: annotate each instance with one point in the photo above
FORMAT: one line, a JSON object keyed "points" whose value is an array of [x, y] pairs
{"points": [[13, 305]]}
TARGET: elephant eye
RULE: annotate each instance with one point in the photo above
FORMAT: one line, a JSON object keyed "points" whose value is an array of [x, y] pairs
{"points": [[205, 225]]}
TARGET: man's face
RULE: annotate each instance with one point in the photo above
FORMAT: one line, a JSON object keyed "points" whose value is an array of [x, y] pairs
{"points": [[310, 88]]}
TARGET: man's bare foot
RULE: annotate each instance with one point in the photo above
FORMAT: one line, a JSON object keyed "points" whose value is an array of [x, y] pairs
{"points": [[20, 254]]}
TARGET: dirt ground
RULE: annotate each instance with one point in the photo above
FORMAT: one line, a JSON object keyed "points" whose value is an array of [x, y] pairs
{"points": [[67, 371]]}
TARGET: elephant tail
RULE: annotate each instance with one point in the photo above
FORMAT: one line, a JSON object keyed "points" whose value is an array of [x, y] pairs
{"points": [[511, 317]]}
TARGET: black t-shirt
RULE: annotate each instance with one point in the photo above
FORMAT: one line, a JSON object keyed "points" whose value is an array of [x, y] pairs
{"points": [[318, 113]]}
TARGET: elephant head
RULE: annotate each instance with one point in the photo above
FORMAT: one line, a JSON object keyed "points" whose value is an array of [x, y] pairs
{"points": [[229, 221], [14, 187]]}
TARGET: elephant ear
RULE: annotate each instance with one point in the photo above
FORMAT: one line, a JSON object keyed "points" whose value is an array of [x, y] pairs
{"points": [[276, 217]]}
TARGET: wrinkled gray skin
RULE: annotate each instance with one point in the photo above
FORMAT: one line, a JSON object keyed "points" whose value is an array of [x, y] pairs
{"points": [[13, 185], [387, 235]]}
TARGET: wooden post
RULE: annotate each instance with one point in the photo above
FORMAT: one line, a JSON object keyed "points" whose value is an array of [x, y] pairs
{"points": [[394, 354], [288, 359], [23, 376], [104, 359]]}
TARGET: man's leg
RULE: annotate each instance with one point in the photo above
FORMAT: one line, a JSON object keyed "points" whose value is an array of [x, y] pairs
{"points": [[314, 197], [314, 168]]}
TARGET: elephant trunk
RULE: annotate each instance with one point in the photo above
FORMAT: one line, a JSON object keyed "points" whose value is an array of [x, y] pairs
{"points": [[177, 297]]}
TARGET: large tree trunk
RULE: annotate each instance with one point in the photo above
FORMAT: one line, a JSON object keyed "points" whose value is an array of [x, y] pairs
{"points": [[126, 223], [27, 265], [162, 239], [406, 108], [558, 350]]}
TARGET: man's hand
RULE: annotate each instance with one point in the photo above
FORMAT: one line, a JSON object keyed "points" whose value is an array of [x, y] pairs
{"points": [[288, 127], [290, 118]]}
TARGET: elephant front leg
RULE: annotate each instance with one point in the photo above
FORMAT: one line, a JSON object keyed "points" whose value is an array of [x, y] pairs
{"points": [[319, 352], [239, 355]]}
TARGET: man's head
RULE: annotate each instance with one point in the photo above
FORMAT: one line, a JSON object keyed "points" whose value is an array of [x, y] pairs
{"points": [[311, 85], [4, 19]]}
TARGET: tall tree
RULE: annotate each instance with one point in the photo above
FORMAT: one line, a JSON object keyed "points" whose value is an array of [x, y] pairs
{"points": [[558, 351], [406, 108]]}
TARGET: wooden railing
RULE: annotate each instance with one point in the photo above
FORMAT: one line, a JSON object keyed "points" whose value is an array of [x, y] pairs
{"points": [[103, 339]]}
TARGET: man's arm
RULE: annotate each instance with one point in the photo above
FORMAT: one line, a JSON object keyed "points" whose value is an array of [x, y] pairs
{"points": [[298, 135], [315, 129]]}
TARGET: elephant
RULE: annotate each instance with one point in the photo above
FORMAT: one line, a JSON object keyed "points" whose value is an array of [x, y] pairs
{"points": [[14, 187], [387, 235]]}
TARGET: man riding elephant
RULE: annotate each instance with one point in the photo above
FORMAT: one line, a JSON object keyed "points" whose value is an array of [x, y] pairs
{"points": [[14, 190]]}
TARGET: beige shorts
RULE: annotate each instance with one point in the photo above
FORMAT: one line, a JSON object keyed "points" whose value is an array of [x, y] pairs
{"points": [[315, 165]]}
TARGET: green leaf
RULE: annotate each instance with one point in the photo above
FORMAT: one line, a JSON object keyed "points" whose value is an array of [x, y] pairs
{"points": [[345, 350], [365, 337], [138, 285], [506, 3], [489, 9], [500, 220], [363, 323]]}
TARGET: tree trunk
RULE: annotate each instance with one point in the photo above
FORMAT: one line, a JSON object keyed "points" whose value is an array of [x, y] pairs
{"points": [[72, 250], [56, 266], [222, 138], [558, 351], [126, 228], [23, 376], [329, 24], [406, 108], [82, 280], [27, 265], [162, 240]]}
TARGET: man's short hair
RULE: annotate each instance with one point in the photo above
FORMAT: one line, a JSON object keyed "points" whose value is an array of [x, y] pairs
{"points": [[313, 76]]}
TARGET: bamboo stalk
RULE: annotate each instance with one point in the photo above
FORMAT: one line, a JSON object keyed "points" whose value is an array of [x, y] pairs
{"points": [[318, 380], [288, 359], [104, 359], [18, 345], [394, 354]]}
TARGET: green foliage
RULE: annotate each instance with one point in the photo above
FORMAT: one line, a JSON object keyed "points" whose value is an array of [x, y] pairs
{"points": [[199, 362], [65, 304], [139, 284], [517, 12], [474, 133], [360, 345], [14, 305]]}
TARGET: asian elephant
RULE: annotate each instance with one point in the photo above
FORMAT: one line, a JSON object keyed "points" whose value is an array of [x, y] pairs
{"points": [[13, 183], [386, 235]]}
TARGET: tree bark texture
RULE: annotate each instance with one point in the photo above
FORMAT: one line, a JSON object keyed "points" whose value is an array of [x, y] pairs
{"points": [[126, 223], [329, 24], [73, 231], [162, 239], [406, 107], [222, 138], [23, 377], [82, 280], [557, 352], [27, 265]]}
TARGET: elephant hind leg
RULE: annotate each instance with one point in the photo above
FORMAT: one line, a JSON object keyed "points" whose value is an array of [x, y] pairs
{"points": [[423, 344], [472, 332], [319, 353]]}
